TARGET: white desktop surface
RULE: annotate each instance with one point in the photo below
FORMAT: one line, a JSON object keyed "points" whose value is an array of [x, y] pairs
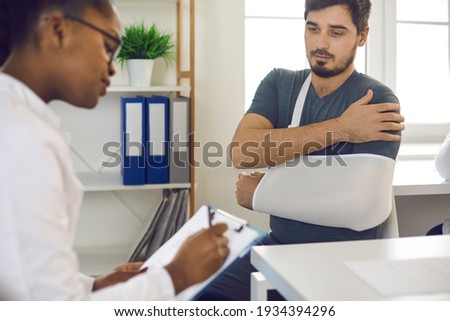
{"points": [[317, 272], [418, 177]]}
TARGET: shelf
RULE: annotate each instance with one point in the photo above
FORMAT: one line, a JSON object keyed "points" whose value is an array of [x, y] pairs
{"points": [[104, 182], [114, 89]]}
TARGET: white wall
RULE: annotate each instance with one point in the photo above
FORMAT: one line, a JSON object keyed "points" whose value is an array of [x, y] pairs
{"points": [[417, 214], [219, 99]]}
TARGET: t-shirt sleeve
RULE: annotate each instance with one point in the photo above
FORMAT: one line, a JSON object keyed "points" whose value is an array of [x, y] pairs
{"points": [[382, 94], [266, 98]]}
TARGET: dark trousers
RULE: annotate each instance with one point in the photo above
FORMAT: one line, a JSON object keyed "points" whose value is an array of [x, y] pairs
{"points": [[437, 230], [234, 285]]}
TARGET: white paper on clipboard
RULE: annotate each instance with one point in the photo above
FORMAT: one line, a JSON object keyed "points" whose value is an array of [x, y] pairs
{"points": [[241, 237]]}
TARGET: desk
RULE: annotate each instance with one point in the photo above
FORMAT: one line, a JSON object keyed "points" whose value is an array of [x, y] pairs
{"points": [[418, 177], [317, 271], [422, 196]]}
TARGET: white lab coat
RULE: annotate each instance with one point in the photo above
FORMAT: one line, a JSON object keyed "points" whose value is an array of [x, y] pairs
{"points": [[442, 163], [442, 160], [40, 198]]}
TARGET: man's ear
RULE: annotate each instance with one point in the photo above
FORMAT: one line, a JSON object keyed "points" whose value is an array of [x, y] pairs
{"points": [[53, 29], [362, 38]]}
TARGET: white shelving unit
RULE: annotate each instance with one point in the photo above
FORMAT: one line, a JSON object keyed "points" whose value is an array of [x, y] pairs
{"points": [[114, 216]]}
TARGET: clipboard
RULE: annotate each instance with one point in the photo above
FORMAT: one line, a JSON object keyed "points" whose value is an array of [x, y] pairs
{"points": [[241, 235]]}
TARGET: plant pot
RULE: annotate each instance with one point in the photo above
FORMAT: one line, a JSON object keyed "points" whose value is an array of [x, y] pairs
{"points": [[140, 72]]}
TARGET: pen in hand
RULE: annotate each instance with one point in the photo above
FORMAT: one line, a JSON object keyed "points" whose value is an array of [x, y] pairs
{"points": [[210, 216]]}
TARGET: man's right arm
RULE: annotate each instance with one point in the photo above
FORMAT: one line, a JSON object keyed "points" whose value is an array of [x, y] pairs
{"points": [[256, 143]]}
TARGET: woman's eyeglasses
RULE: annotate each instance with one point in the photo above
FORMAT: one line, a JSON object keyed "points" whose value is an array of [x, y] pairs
{"points": [[112, 52]]}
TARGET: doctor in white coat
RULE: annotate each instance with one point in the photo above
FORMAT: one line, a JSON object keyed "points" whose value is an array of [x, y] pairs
{"points": [[64, 50], [442, 163]]}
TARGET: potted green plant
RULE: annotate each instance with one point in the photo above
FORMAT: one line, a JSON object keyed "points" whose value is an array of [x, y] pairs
{"points": [[141, 45]]}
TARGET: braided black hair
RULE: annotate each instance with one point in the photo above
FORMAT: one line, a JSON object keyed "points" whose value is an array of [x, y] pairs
{"points": [[18, 18], [4, 28]]}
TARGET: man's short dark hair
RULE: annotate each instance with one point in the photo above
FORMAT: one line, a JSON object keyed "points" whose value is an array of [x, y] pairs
{"points": [[359, 10]]}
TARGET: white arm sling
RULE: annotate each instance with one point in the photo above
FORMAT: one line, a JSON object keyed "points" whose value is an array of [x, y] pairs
{"points": [[348, 191]]}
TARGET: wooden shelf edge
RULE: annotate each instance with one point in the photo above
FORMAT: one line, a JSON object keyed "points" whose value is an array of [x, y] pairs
{"points": [[184, 74]]}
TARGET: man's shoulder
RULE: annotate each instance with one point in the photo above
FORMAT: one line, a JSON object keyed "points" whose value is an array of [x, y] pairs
{"points": [[283, 74], [366, 80], [363, 82]]}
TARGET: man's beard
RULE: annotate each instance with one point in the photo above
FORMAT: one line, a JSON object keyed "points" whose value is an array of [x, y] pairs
{"points": [[322, 71]]}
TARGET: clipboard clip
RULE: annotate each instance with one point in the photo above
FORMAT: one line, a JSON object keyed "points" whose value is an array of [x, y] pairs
{"points": [[212, 211]]}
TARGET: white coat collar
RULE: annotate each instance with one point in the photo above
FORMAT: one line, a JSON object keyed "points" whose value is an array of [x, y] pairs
{"points": [[27, 97]]}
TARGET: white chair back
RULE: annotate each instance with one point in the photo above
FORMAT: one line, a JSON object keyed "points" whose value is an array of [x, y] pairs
{"points": [[389, 228]]}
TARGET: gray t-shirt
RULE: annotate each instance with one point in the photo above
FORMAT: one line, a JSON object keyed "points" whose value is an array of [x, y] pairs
{"points": [[275, 100]]}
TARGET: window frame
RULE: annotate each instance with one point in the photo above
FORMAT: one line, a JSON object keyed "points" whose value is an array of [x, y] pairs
{"points": [[382, 44]]}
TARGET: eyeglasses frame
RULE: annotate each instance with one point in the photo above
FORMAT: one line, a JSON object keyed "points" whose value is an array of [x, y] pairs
{"points": [[114, 55]]}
